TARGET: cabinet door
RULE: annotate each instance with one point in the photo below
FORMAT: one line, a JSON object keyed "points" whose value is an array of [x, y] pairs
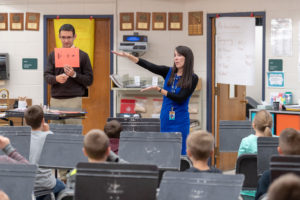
{"points": [[287, 121]]}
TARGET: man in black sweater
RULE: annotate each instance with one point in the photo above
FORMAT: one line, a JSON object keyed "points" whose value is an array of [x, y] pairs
{"points": [[68, 84]]}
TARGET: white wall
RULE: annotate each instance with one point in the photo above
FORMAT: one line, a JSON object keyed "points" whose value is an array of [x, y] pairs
{"points": [[30, 44]]}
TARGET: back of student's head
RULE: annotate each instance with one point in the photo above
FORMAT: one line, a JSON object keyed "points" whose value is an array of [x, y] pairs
{"points": [[200, 144], [34, 116], [3, 196], [263, 122], [286, 187], [289, 142], [113, 129], [96, 144]]}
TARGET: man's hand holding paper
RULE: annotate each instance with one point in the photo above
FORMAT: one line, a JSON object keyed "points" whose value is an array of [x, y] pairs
{"points": [[69, 71], [62, 78]]}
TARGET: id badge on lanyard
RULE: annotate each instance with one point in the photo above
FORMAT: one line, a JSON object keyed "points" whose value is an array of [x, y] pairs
{"points": [[172, 114]]}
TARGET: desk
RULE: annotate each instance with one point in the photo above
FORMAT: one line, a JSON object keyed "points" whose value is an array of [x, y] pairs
{"points": [[282, 119], [10, 104], [48, 115]]}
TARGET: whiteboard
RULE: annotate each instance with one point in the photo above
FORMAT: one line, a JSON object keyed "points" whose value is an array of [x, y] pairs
{"points": [[235, 48]]}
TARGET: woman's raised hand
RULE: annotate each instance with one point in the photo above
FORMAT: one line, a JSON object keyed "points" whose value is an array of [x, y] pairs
{"points": [[121, 53], [126, 55]]}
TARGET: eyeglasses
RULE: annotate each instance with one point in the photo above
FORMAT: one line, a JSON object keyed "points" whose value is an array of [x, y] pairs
{"points": [[66, 37]]}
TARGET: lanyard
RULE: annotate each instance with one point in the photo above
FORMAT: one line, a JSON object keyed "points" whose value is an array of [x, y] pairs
{"points": [[173, 90], [174, 87]]}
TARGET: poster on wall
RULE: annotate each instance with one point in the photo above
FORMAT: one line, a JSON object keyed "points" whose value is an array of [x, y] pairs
{"points": [[235, 40], [281, 37], [276, 79]]}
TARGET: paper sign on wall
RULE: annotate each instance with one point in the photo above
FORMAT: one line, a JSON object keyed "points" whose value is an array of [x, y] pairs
{"points": [[66, 56], [276, 79], [29, 63], [281, 37], [235, 39]]}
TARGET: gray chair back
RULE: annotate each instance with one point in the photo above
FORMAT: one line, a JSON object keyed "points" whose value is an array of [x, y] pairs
{"points": [[62, 151], [17, 180], [280, 165], [161, 149], [266, 147], [141, 128], [66, 128], [206, 186], [247, 164], [19, 137], [231, 134], [115, 181], [133, 119]]}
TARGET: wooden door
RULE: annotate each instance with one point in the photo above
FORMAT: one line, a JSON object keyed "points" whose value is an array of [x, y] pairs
{"points": [[231, 105], [97, 104]]}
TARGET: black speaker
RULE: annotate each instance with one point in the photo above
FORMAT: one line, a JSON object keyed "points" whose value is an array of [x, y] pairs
{"points": [[4, 66]]}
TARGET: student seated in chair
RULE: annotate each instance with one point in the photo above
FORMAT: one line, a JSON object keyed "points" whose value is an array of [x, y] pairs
{"points": [[45, 179], [96, 148], [200, 146], [289, 144], [113, 129], [262, 124], [285, 187], [12, 156]]}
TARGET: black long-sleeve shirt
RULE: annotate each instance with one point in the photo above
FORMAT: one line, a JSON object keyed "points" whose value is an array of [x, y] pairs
{"points": [[73, 87], [163, 70]]}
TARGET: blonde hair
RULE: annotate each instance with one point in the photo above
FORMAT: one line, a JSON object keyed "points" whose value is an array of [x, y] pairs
{"points": [[289, 141], [200, 144], [263, 122], [96, 144]]}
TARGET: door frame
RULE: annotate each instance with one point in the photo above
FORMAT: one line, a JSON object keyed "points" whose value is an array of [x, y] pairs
{"points": [[111, 17], [210, 105]]}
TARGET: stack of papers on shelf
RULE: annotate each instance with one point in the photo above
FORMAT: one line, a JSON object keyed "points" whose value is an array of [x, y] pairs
{"points": [[125, 81], [292, 107], [117, 80]]}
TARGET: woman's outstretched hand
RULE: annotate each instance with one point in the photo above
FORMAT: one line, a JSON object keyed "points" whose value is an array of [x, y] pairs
{"points": [[156, 88], [122, 54], [126, 55]]}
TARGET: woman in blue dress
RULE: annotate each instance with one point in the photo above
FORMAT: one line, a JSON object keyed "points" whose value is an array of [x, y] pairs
{"points": [[180, 83]]}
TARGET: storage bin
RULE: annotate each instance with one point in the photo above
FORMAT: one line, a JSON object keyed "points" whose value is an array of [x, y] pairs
{"points": [[127, 106]]}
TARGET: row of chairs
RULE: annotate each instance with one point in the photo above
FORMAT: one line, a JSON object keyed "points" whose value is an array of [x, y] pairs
{"points": [[138, 124], [68, 138], [279, 165], [127, 181], [122, 181], [63, 150]]}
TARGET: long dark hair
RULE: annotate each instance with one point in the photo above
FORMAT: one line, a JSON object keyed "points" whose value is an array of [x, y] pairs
{"points": [[188, 68]]}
